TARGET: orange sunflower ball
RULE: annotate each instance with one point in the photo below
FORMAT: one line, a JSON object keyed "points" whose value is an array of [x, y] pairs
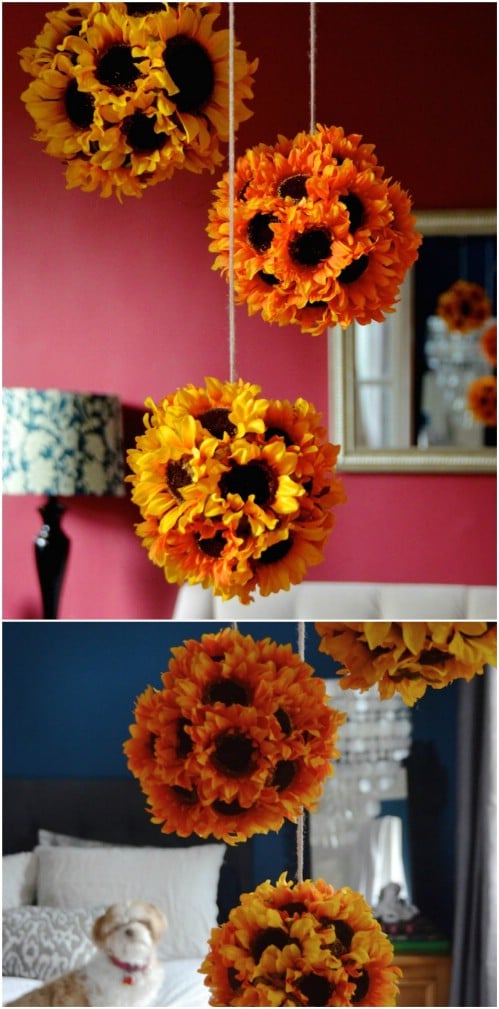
{"points": [[239, 738], [408, 657], [464, 307], [320, 236], [125, 93], [488, 343], [302, 944], [482, 400], [236, 492]]}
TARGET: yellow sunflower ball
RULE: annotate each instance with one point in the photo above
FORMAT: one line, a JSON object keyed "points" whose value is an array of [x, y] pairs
{"points": [[239, 738], [236, 492], [301, 944], [320, 236], [125, 93], [464, 307], [408, 657], [481, 400]]}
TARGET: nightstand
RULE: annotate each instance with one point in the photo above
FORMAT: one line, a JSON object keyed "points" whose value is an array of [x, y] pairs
{"points": [[426, 977]]}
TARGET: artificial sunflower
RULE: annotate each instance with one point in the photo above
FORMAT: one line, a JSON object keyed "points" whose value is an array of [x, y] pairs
{"points": [[488, 343], [482, 399], [239, 738], [320, 236], [301, 944], [408, 657], [124, 94], [236, 492], [464, 306]]}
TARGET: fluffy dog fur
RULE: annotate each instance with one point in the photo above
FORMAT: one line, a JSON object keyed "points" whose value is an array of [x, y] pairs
{"points": [[124, 971]]}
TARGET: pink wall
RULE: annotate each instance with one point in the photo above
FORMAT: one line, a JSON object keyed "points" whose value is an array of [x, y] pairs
{"points": [[122, 298]]}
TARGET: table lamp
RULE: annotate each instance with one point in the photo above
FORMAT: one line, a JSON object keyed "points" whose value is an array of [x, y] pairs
{"points": [[64, 444]]}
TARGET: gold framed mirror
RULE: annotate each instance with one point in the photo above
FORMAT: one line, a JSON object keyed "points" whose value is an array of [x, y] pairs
{"points": [[380, 383]]}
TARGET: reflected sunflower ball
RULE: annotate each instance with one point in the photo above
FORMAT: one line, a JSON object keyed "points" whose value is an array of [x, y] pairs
{"points": [[239, 738], [320, 236], [236, 492], [481, 400], [464, 307], [125, 94], [408, 657], [301, 944]]}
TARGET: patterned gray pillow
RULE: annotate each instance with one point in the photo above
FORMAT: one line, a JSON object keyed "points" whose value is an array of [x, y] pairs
{"points": [[45, 942]]}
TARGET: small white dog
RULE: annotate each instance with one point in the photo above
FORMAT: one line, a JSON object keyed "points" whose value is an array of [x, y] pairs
{"points": [[125, 970]]}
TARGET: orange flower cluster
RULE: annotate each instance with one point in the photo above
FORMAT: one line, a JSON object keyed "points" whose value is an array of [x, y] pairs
{"points": [[482, 399], [320, 236], [464, 307], [239, 738], [488, 343], [125, 93], [302, 944], [236, 491], [408, 657]]}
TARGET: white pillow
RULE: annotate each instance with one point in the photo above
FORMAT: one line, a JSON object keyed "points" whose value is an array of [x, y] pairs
{"points": [[19, 872], [182, 882], [45, 942], [55, 840]]}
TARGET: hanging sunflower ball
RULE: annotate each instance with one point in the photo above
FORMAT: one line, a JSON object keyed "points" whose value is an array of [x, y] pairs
{"points": [[410, 656], [320, 236], [124, 94], [464, 307], [488, 343], [239, 738], [236, 491], [301, 944], [481, 399]]}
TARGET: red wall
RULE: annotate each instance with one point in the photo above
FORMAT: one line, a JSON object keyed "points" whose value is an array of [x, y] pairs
{"points": [[122, 298]]}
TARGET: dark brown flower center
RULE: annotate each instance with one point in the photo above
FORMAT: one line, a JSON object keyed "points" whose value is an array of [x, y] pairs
{"points": [[276, 552], [116, 67], [433, 656], [232, 978], [138, 9], [294, 186], [315, 988], [260, 233], [283, 775], [361, 987], [269, 937], [354, 270], [227, 692], [255, 478], [212, 546], [79, 106], [190, 66], [277, 432], [184, 741], [344, 936], [233, 754], [310, 248], [233, 808], [284, 720], [152, 743], [355, 210], [177, 476], [294, 907], [268, 278], [140, 133], [189, 796], [217, 422]]}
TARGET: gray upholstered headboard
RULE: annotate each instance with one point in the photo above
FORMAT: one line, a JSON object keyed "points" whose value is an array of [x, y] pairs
{"points": [[104, 809]]}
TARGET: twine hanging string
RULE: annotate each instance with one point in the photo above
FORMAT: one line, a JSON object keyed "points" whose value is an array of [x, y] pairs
{"points": [[300, 828], [232, 177], [312, 62]]}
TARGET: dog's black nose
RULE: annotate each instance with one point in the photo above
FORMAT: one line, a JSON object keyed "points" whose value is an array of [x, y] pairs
{"points": [[129, 931]]}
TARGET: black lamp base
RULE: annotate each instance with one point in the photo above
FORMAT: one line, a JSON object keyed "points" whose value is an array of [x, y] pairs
{"points": [[51, 553]]}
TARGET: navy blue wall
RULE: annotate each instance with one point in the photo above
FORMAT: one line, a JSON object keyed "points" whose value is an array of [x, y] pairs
{"points": [[68, 696]]}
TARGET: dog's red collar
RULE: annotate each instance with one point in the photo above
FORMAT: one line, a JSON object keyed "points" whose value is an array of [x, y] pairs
{"points": [[128, 968]]}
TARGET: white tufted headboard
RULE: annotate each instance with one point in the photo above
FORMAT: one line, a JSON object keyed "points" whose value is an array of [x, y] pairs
{"points": [[345, 601]]}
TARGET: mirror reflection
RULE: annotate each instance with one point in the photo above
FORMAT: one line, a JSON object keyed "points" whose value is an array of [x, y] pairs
{"points": [[420, 387]]}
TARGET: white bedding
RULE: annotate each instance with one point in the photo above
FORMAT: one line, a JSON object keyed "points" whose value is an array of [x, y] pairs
{"points": [[182, 986]]}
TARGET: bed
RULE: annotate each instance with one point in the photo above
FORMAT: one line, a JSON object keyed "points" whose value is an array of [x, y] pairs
{"points": [[71, 847]]}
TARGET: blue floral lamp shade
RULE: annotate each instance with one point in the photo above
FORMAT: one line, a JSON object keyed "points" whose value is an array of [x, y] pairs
{"points": [[60, 444]]}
